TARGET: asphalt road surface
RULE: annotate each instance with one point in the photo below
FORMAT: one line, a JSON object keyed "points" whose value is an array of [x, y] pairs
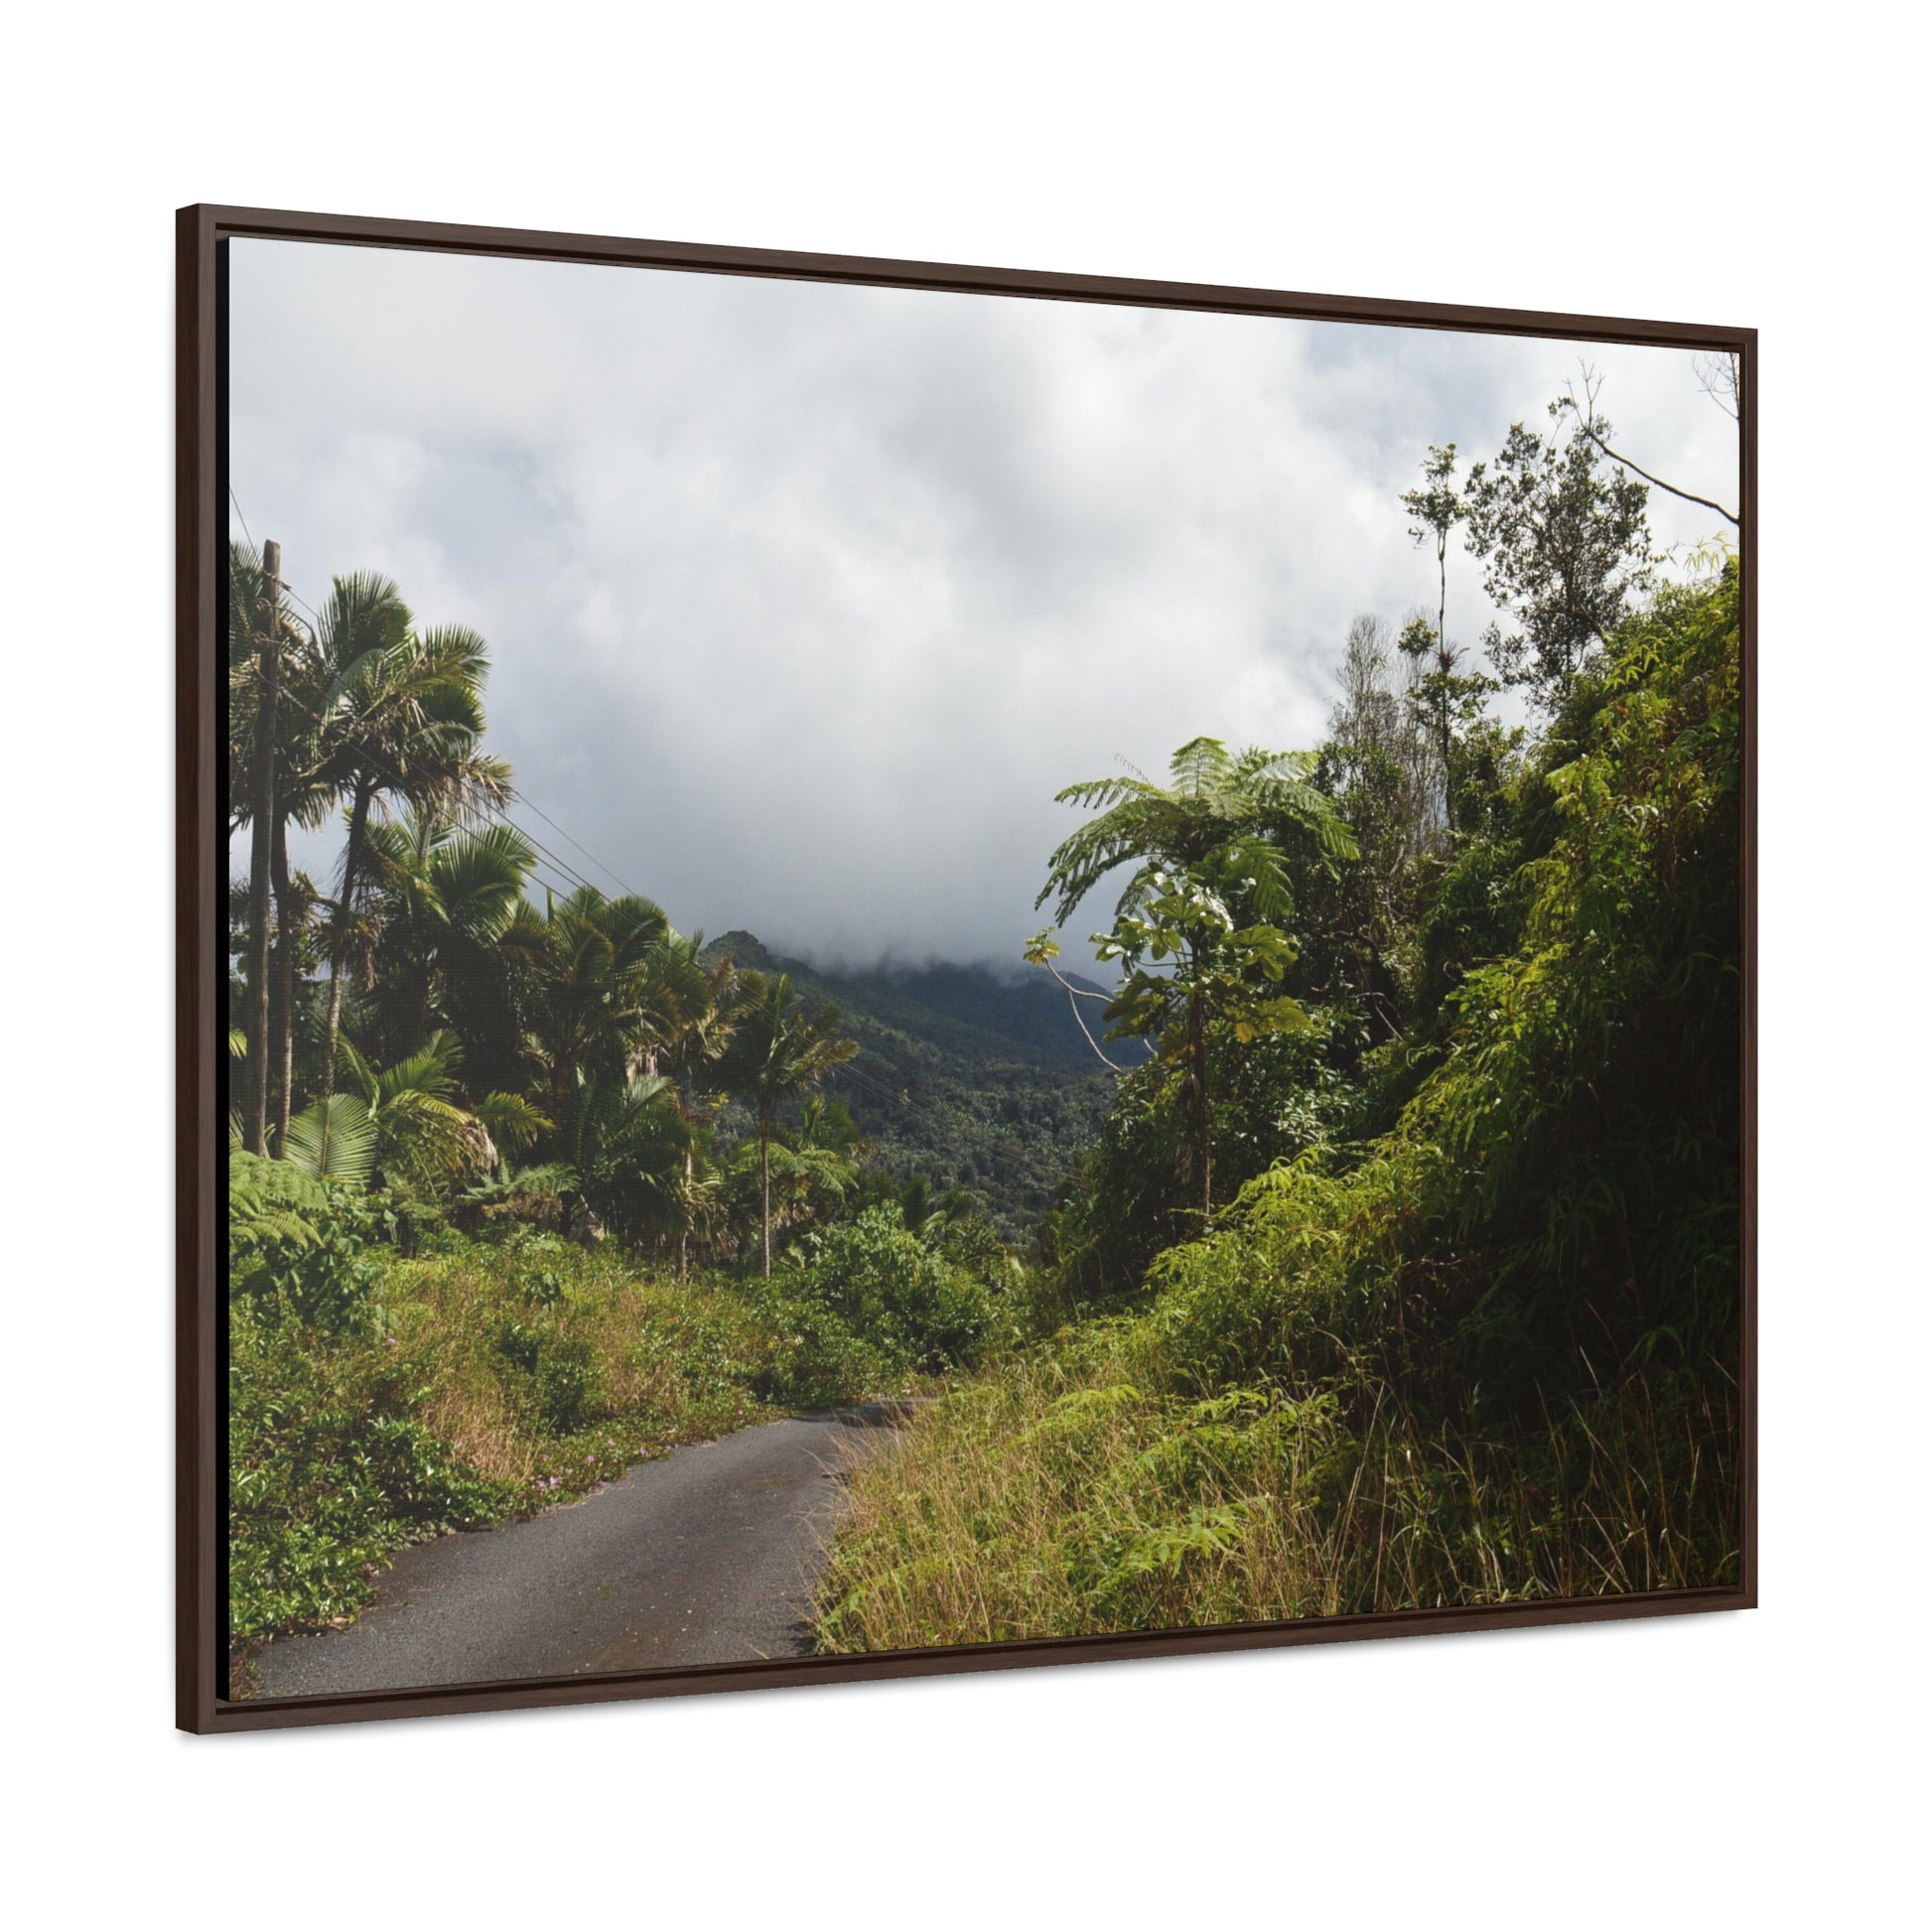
{"points": [[707, 1556]]}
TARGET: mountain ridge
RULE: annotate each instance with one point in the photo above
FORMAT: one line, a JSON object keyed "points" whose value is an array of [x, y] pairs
{"points": [[965, 1075]]}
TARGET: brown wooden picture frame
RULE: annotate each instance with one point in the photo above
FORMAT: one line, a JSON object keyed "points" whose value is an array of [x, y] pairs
{"points": [[200, 487]]}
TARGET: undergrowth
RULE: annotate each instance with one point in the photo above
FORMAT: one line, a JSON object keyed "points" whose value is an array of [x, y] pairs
{"points": [[472, 1385], [377, 1400], [1490, 1354], [1064, 1499]]}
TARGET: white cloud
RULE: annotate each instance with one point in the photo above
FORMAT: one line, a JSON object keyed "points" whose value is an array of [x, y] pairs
{"points": [[803, 601]]}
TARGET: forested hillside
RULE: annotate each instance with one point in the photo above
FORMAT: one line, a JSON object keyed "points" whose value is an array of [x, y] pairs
{"points": [[965, 1076]]}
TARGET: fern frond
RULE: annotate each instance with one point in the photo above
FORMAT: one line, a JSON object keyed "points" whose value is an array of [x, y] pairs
{"points": [[1199, 766]]}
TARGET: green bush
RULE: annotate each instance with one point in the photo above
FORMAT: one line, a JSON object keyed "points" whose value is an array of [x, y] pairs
{"points": [[301, 1245], [882, 1281], [816, 1359], [327, 1478], [570, 1384], [867, 1304]]}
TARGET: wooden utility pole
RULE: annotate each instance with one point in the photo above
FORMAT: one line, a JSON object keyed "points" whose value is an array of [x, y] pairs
{"points": [[261, 847], [281, 993]]}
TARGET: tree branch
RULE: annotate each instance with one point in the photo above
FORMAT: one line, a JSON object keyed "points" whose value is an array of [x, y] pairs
{"points": [[1073, 1002], [1585, 417], [1688, 496]]}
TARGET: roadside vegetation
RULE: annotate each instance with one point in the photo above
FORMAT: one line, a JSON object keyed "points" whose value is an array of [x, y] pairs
{"points": [[379, 1396], [1406, 1273]]}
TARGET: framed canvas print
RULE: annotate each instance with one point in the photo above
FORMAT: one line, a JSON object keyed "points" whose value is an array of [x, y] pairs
{"points": [[891, 968]]}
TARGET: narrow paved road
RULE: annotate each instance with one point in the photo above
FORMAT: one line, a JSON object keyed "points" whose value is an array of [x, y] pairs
{"points": [[707, 1556]]}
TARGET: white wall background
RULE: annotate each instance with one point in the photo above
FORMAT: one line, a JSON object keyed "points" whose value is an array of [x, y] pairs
{"points": [[1680, 160]]}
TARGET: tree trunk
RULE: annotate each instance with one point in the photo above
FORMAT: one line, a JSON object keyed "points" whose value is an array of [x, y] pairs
{"points": [[1442, 590], [561, 1070], [764, 1163], [1448, 784], [358, 819], [1203, 1149], [684, 1219], [260, 846], [281, 1019], [1443, 663]]}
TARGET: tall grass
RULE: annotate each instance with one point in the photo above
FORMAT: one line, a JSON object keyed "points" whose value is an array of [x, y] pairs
{"points": [[1062, 1500]]}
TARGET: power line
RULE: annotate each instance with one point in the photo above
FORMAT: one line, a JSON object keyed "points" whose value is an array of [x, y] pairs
{"points": [[303, 601], [246, 531], [555, 859], [550, 885], [523, 798], [870, 1084], [487, 807], [518, 794]]}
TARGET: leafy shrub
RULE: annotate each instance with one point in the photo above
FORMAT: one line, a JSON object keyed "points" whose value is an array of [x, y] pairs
{"points": [[882, 1281], [865, 1304], [816, 1359], [326, 1478], [570, 1384], [301, 1245]]}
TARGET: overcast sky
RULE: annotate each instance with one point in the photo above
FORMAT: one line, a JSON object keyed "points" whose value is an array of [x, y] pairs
{"points": [[803, 601]]}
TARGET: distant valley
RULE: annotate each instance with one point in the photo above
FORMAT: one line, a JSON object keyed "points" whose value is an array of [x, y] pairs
{"points": [[966, 1076]]}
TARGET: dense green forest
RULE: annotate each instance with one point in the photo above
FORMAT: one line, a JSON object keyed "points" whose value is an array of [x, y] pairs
{"points": [[964, 1076], [1389, 1259]]}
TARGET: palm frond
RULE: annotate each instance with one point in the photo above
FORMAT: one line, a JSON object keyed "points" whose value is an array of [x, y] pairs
{"points": [[512, 1122], [332, 1140], [430, 1070]]}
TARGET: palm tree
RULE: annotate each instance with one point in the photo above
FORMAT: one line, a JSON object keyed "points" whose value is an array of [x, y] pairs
{"points": [[627, 1022], [587, 973], [813, 1167], [691, 1024], [309, 768], [400, 719], [778, 1051], [1212, 841], [266, 1061], [926, 1213], [630, 1143], [408, 1118], [447, 893], [363, 624]]}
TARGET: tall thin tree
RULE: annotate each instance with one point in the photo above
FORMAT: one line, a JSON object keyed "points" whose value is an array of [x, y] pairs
{"points": [[404, 721], [1438, 508], [778, 1051], [262, 839]]}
